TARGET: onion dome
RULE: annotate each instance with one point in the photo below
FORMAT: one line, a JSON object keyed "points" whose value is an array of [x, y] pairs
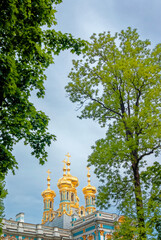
{"points": [[74, 180], [89, 195], [48, 196], [64, 182], [67, 189]]}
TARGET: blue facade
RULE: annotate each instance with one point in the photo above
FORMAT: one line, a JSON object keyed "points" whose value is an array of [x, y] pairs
{"points": [[108, 227], [90, 228]]}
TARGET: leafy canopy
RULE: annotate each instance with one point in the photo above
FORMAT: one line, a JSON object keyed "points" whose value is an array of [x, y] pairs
{"points": [[118, 84], [28, 43]]}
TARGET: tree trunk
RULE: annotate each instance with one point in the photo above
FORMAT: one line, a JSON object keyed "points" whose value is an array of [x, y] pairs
{"points": [[139, 203]]}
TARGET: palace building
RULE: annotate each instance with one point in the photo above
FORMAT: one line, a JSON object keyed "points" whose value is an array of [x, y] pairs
{"points": [[69, 221]]}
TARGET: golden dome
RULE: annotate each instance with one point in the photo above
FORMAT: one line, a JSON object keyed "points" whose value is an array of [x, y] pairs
{"points": [[89, 195], [67, 180], [48, 198], [48, 193], [89, 189], [64, 183], [74, 180], [67, 189]]}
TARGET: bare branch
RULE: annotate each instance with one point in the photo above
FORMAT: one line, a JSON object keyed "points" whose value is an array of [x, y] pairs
{"points": [[107, 108], [148, 153]]}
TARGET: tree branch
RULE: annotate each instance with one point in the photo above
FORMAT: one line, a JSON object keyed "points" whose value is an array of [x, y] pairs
{"points": [[102, 104], [150, 152]]}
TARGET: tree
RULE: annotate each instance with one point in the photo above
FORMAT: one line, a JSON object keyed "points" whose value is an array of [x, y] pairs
{"points": [[28, 43], [118, 84], [125, 230], [3, 193]]}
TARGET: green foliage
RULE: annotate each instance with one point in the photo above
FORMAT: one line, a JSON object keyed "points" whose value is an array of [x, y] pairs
{"points": [[28, 43], [25, 52], [152, 181], [118, 84], [125, 230], [3, 194]]}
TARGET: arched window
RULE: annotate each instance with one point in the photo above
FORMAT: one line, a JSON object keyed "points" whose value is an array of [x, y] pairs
{"points": [[86, 201], [93, 201], [67, 195], [81, 212], [50, 204], [72, 197], [61, 196]]}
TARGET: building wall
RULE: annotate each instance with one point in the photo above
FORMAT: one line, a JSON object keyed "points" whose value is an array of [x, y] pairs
{"points": [[96, 226]]}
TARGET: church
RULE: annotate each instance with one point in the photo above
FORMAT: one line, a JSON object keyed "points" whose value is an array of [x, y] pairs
{"points": [[69, 221]]}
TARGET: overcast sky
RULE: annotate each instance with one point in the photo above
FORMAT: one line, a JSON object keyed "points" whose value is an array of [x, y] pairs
{"points": [[81, 18]]}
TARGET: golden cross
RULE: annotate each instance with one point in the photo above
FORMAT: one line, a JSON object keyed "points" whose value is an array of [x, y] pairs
{"points": [[68, 156], [88, 168], [64, 161], [48, 172], [68, 162]]}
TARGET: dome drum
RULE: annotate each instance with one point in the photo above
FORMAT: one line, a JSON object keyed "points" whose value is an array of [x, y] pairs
{"points": [[64, 196], [90, 201], [48, 204], [68, 195]]}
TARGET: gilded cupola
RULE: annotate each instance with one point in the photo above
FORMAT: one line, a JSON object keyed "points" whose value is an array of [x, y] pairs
{"points": [[89, 195], [74, 180], [67, 189], [48, 197]]}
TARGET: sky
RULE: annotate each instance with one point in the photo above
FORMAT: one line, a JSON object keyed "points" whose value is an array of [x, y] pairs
{"points": [[82, 18]]}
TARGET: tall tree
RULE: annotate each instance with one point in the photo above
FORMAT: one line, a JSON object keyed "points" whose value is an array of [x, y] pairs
{"points": [[28, 43], [118, 84], [3, 193]]}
